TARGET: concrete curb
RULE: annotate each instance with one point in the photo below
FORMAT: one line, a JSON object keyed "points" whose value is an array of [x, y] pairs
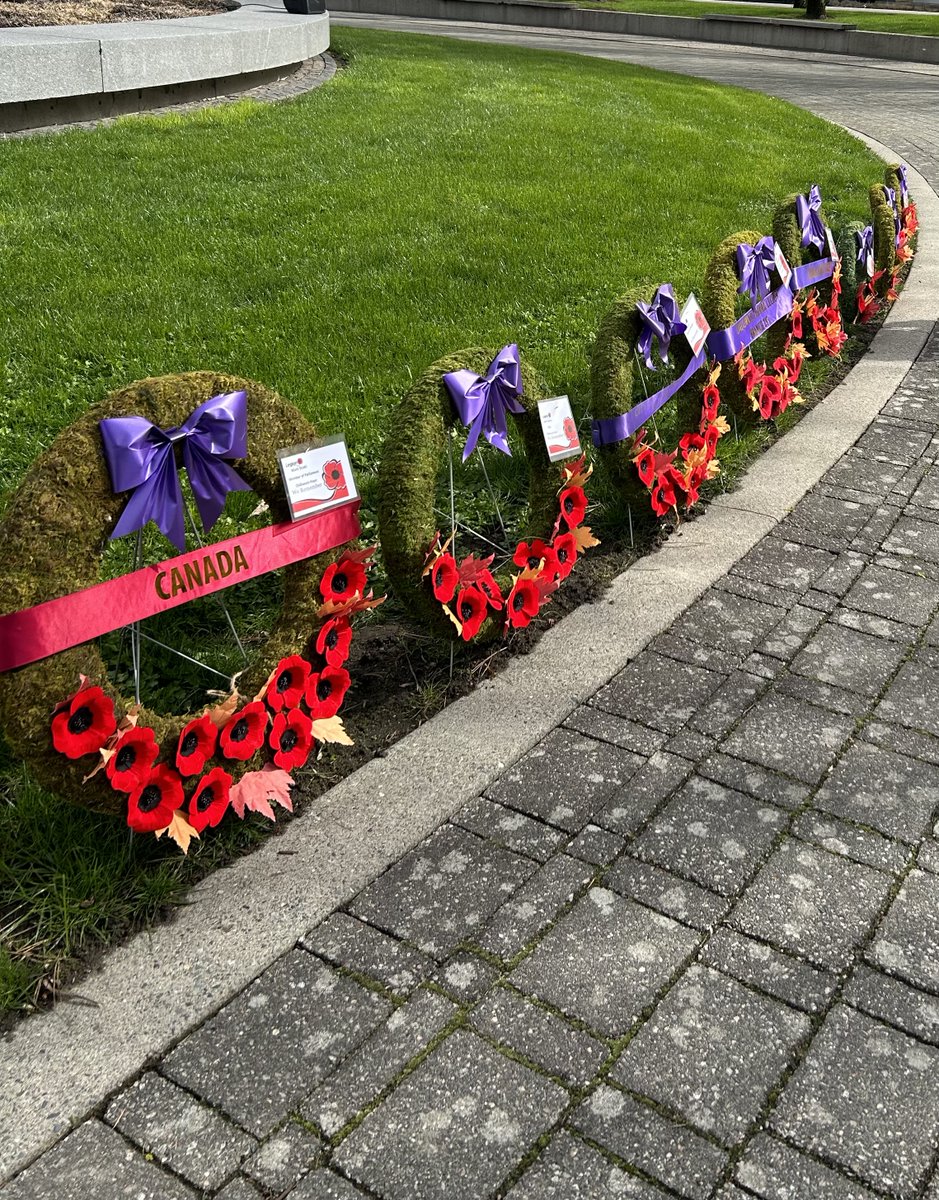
{"points": [[65, 61], [776, 34], [58, 1067]]}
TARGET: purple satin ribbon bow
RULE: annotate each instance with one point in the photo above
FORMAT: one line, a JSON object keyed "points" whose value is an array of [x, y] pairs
{"points": [[904, 186], [483, 402], [864, 239], [755, 265], [661, 319], [809, 214], [142, 460]]}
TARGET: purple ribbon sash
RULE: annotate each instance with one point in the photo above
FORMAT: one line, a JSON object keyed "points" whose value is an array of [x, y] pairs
{"points": [[725, 343], [808, 273], [141, 459], [904, 186], [482, 403], [610, 430], [661, 319], [864, 240], [808, 213]]}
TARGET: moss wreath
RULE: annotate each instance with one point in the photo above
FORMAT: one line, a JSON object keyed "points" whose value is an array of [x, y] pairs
{"points": [[638, 471], [53, 534], [824, 332], [413, 452]]}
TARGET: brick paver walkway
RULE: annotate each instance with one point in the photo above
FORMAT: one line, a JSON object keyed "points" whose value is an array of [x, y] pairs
{"points": [[687, 946]]}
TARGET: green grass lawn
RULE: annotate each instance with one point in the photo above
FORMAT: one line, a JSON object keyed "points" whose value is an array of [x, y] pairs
{"points": [[925, 24], [435, 195]]}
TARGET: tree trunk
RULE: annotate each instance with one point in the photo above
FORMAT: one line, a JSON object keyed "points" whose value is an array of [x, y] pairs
{"points": [[815, 10]]}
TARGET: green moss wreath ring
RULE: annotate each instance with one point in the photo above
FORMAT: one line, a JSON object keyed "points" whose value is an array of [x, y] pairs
{"points": [[413, 454], [53, 534]]}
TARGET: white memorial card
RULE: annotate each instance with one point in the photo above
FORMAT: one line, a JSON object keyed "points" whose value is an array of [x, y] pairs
{"points": [[695, 323], [782, 266], [317, 477], [559, 428]]}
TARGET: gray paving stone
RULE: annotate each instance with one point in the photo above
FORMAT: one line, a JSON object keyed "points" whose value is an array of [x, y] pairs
{"points": [[713, 1050], [666, 893], [913, 697], [765, 666], [753, 589], [632, 805], [723, 660], [605, 960], [509, 828], [658, 691], [691, 744], [754, 780], [275, 1041], [545, 1039], [287, 1155], [895, 1002], [565, 778], [650, 1141], [92, 1163], [630, 735], [769, 970], [596, 845], [571, 1170], [894, 595], [833, 519], [878, 528], [841, 575], [720, 619], [822, 601], [791, 634], [711, 834], [466, 976], [728, 703], [849, 659], [791, 736], [774, 1171], [814, 904], [911, 742], [867, 1099], [887, 791], [467, 1113], [907, 942], [784, 564], [535, 905], [182, 1134], [443, 892], [915, 541], [863, 473], [893, 440], [325, 1185], [823, 695], [378, 1061], [239, 1189], [880, 627], [862, 845], [350, 943]]}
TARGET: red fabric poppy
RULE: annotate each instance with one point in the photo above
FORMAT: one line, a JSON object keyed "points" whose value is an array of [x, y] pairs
{"points": [[565, 549], [486, 582], [444, 577], [342, 580], [291, 739], [573, 506], [333, 641], [796, 323], [84, 724], [710, 403], [209, 802], [243, 733], [691, 441], [669, 483], [471, 609], [523, 603], [289, 683], [151, 804], [770, 398], [645, 465], [196, 745], [326, 691], [531, 554], [752, 375], [711, 437], [134, 755]]}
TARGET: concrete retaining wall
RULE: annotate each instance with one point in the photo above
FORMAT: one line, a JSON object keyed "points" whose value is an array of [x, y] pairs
{"points": [[54, 62], [777, 34]]}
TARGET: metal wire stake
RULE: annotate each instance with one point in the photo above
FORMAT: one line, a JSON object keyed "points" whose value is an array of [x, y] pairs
{"points": [[181, 654], [476, 534], [452, 499], [629, 511], [231, 623], [135, 627], [493, 495]]}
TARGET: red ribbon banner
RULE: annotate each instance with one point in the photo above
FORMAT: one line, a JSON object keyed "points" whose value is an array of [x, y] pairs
{"points": [[55, 625]]}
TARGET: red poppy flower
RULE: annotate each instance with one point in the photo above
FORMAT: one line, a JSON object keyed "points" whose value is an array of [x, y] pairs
{"points": [[573, 506], [333, 475], [690, 442], [485, 581], [710, 403], [291, 739], [770, 399], [342, 580], [668, 484], [289, 683], [711, 437], [134, 755], [84, 724], [326, 691], [444, 577], [565, 548], [523, 603], [530, 555], [209, 802], [196, 745], [151, 804], [471, 609], [243, 733], [645, 465], [796, 323], [333, 641], [752, 375]]}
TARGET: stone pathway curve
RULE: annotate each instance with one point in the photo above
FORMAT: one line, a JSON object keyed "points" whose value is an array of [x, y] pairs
{"points": [[687, 946]]}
